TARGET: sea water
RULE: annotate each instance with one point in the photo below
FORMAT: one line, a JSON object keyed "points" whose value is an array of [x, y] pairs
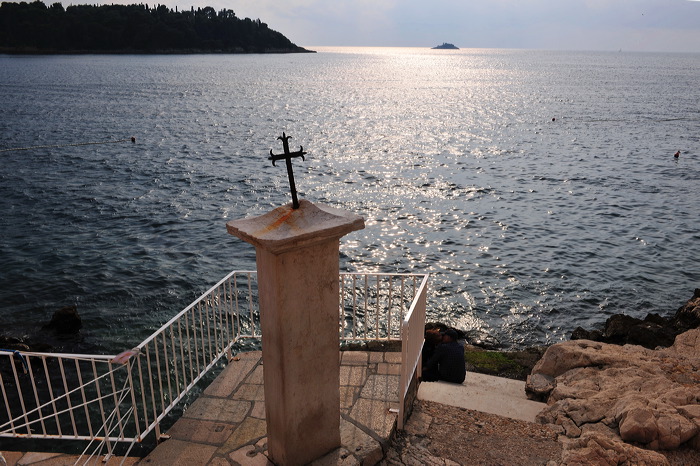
{"points": [[539, 189]]}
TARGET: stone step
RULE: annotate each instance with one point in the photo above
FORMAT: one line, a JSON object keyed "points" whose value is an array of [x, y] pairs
{"points": [[485, 393]]}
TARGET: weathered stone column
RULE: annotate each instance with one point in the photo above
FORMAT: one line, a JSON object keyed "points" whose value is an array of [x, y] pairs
{"points": [[297, 254]]}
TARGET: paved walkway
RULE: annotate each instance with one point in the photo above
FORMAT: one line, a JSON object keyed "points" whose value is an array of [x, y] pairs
{"points": [[485, 393], [226, 424]]}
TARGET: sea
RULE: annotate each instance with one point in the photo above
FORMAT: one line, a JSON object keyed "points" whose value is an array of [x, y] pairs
{"points": [[539, 189]]}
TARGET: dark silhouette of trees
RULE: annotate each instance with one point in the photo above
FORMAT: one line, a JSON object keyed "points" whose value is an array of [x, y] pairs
{"points": [[36, 28]]}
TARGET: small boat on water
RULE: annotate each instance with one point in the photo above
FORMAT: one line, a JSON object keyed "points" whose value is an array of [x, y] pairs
{"points": [[447, 46]]}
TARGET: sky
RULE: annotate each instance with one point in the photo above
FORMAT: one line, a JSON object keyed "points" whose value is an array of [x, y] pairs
{"points": [[630, 25]]}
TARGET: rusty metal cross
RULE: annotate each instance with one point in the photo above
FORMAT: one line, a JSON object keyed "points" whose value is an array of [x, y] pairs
{"points": [[287, 156]]}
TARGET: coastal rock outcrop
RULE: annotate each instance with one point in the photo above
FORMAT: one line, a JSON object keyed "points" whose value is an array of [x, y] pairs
{"points": [[597, 448], [610, 399], [65, 321], [689, 314], [651, 332]]}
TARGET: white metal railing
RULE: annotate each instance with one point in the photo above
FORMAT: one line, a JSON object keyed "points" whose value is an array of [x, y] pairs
{"points": [[52, 395], [123, 398], [413, 338], [373, 305], [181, 352], [387, 307]]}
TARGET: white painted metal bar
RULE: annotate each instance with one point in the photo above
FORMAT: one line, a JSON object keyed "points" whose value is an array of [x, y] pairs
{"points": [[149, 376], [132, 391], [376, 310], [250, 303], [367, 309], [83, 397], [21, 396], [53, 400], [35, 391], [7, 405], [354, 306], [36, 396], [116, 400], [189, 345], [144, 405], [96, 379], [66, 391], [176, 378]]}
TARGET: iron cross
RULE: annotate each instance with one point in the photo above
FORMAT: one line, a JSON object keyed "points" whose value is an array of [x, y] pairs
{"points": [[287, 156]]}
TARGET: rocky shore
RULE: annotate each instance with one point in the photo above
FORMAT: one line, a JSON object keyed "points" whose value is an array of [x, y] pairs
{"points": [[626, 393]]}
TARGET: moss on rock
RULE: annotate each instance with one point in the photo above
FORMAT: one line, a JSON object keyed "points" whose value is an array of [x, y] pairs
{"points": [[511, 364]]}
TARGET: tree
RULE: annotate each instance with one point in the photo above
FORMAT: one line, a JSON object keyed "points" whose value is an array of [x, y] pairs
{"points": [[34, 27]]}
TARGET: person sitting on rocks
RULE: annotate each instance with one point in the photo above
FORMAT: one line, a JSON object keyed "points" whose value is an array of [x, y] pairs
{"points": [[447, 362]]}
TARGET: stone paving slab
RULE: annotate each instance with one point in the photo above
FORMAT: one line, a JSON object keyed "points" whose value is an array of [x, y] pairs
{"points": [[249, 391], [360, 442], [381, 387], [393, 357], [358, 358], [249, 431], [218, 409], [353, 375], [388, 368], [233, 374], [175, 452], [258, 410], [249, 455], [198, 431], [348, 396], [376, 416]]}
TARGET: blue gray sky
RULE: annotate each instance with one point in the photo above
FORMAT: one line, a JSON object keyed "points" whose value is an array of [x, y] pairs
{"points": [[631, 25]]}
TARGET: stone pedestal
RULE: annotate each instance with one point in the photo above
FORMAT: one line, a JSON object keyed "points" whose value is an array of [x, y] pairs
{"points": [[297, 252]]}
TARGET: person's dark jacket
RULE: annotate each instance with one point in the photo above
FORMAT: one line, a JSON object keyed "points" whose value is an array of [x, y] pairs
{"points": [[446, 363]]}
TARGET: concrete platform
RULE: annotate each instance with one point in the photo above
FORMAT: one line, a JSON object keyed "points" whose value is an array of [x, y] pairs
{"points": [[485, 393], [226, 424]]}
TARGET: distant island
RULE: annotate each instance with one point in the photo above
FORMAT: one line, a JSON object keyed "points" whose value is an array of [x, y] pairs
{"points": [[35, 28], [446, 45]]}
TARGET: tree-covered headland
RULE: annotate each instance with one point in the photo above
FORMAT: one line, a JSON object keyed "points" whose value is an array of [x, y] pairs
{"points": [[38, 28]]}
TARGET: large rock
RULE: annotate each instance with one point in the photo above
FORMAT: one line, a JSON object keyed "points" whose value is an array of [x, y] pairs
{"points": [[596, 448], [647, 397], [652, 332], [688, 316], [66, 321], [539, 386]]}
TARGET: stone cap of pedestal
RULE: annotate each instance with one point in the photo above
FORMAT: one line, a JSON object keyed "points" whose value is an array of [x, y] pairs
{"points": [[284, 228]]}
